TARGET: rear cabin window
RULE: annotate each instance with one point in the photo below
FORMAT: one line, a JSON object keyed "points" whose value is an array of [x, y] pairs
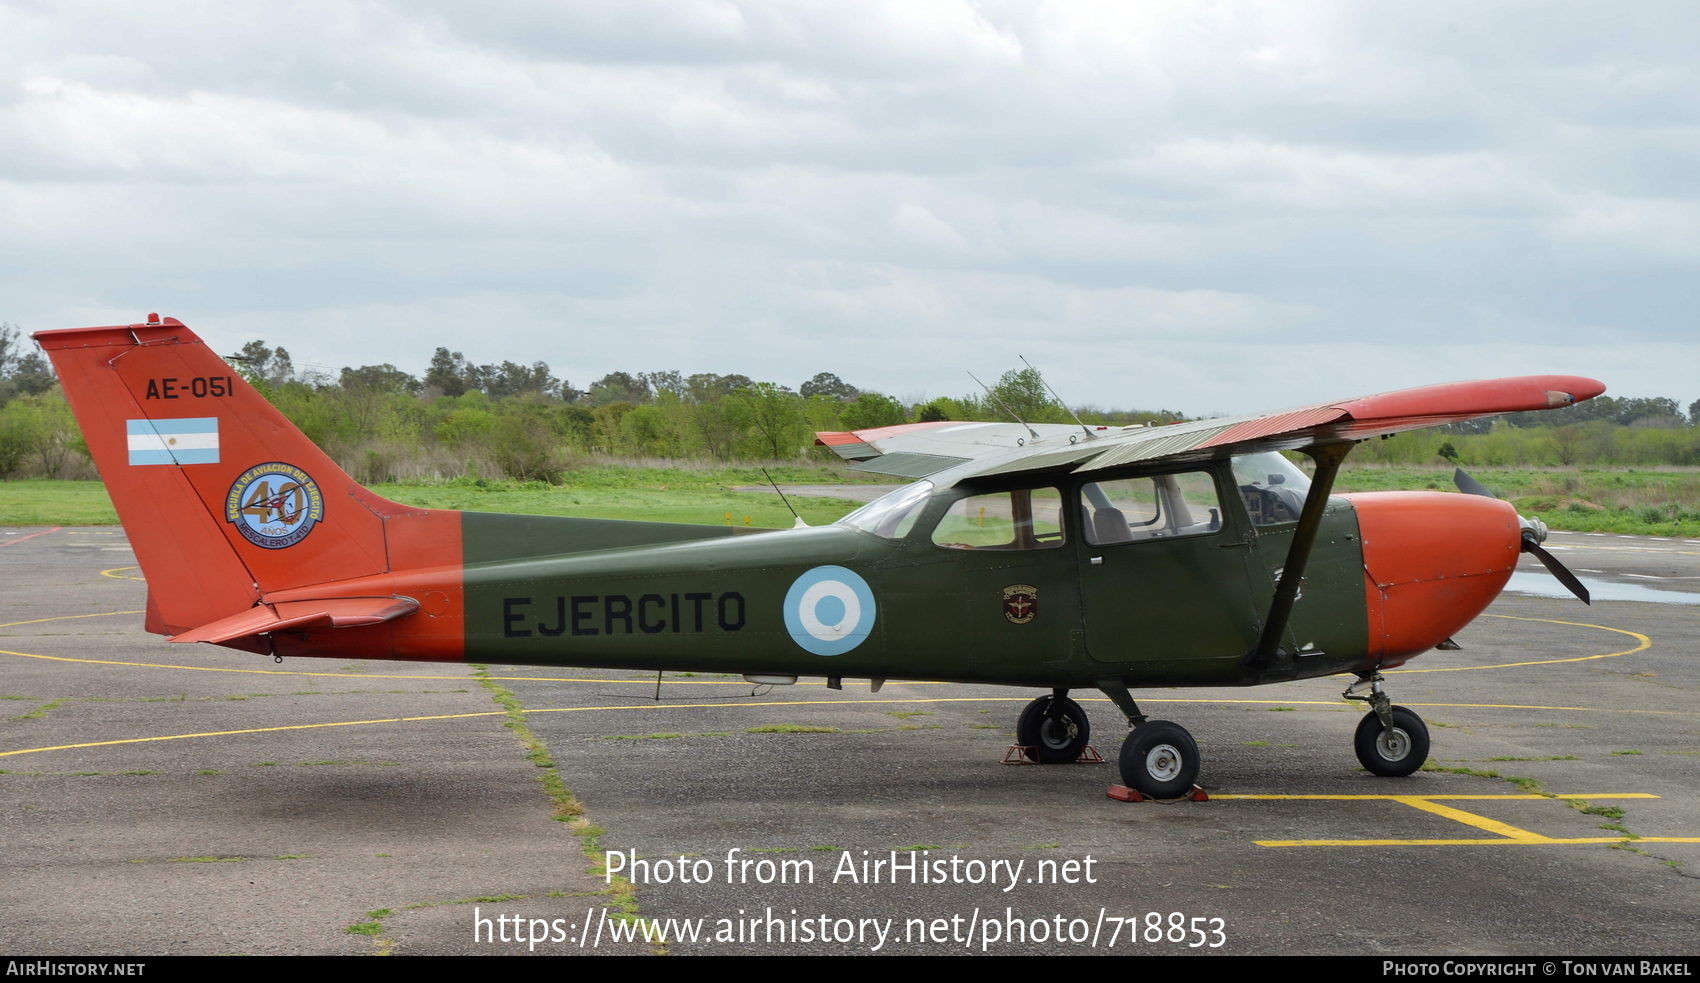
{"points": [[1022, 519]]}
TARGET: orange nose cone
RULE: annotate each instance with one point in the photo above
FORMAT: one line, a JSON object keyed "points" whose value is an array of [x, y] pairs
{"points": [[1432, 562]]}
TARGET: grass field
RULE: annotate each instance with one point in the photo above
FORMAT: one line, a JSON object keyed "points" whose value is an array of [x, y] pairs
{"points": [[1649, 503], [702, 496], [1659, 503]]}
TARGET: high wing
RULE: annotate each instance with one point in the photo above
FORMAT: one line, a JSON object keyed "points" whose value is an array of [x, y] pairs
{"points": [[958, 451]]}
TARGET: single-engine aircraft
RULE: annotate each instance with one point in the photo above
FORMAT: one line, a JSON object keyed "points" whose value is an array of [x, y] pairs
{"points": [[1051, 556]]}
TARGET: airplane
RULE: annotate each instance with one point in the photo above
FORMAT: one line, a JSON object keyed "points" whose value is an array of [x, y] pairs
{"points": [[1050, 556]]}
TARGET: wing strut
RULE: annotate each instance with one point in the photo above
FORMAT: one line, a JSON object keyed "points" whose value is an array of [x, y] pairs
{"points": [[1328, 458]]}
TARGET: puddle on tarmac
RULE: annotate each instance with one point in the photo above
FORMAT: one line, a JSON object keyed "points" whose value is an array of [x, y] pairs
{"points": [[1544, 585]]}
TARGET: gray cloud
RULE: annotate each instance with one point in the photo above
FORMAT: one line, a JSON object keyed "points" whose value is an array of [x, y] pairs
{"points": [[1192, 205]]}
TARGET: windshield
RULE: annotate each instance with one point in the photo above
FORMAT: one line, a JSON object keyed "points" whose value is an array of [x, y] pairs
{"points": [[892, 516], [1273, 487]]}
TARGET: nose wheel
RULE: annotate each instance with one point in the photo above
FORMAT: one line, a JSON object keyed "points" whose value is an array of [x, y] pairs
{"points": [[1391, 741], [1392, 751]]}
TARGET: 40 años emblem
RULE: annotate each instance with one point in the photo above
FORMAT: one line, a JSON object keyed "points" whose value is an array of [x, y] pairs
{"points": [[274, 505]]}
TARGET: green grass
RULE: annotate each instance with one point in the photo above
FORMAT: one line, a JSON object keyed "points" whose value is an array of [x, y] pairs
{"points": [[649, 496], [1663, 502], [39, 502], [700, 496]]}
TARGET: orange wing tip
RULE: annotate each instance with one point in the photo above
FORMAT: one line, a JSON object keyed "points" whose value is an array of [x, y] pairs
{"points": [[1480, 398], [342, 612], [833, 438]]}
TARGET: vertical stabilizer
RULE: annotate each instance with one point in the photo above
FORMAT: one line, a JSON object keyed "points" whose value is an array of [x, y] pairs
{"points": [[223, 499]]}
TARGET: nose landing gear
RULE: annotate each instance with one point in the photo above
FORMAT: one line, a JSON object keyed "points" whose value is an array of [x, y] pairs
{"points": [[1391, 741]]}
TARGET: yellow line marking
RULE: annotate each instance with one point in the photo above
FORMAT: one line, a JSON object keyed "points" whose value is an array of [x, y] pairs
{"points": [[67, 617], [1645, 643], [650, 681], [1449, 797], [666, 706], [1493, 842], [1471, 819], [740, 682], [497, 713], [115, 575], [644, 678], [251, 730], [1508, 834]]}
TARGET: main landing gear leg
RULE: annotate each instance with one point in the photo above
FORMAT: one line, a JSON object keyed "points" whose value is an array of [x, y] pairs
{"points": [[1391, 741], [1053, 729], [1159, 759]]}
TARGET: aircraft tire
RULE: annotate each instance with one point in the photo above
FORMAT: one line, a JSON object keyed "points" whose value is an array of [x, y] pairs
{"points": [[1395, 753], [1051, 741], [1160, 759]]}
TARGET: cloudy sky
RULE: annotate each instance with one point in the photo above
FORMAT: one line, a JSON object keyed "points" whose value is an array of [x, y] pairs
{"points": [[1202, 206]]}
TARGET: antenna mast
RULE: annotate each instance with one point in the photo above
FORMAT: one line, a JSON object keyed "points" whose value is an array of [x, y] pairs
{"points": [[1056, 397], [1031, 432]]}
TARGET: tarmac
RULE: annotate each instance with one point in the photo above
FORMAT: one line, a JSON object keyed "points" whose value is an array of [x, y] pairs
{"points": [[164, 799]]}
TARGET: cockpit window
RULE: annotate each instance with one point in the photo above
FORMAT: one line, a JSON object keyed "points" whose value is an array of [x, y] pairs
{"points": [[1022, 519], [1273, 487], [892, 516]]}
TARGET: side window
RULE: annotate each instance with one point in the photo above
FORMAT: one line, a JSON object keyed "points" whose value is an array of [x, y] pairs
{"points": [[1152, 507], [1023, 519]]}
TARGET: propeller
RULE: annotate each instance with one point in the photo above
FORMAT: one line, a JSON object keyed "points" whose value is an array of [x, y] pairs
{"points": [[1534, 534]]}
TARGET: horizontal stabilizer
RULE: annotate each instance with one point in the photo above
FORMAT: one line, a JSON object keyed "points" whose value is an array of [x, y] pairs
{"points": [[339, 612]]}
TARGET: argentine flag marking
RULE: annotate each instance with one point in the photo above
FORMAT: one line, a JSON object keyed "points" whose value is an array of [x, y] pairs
{"points": [[188, 441]]}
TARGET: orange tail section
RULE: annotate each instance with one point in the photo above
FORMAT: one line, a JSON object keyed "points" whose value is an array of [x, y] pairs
{"points": [[224, 500]]}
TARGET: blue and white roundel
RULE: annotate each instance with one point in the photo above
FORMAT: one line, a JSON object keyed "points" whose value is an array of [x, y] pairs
{"points": [[829, 610]]}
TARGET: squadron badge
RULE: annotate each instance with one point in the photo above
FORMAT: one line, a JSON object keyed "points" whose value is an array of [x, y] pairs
{"points": [[1020, 603], [274, 505]]}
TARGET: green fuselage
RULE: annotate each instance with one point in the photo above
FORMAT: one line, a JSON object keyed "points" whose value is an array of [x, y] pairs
{"points": [[1186, 610]]}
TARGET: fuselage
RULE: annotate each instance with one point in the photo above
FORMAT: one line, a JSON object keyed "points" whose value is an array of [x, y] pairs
{"points": [[956, 591]]}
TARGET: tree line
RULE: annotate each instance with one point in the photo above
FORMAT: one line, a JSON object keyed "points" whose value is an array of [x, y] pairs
{"points": [[520, 421]]}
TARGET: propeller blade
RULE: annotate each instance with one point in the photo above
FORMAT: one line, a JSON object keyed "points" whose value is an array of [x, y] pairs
{"points": [[1469, 485], [1534, 533], [1557, 569]]}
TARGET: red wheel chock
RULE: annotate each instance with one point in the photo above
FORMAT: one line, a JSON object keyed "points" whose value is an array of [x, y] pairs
{"points": [[1017, 755], [1121, 793]]}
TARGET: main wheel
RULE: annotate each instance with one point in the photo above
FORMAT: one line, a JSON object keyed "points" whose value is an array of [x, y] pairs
{"points": [[1053, 739], [1394, 752], [1160, 759]]}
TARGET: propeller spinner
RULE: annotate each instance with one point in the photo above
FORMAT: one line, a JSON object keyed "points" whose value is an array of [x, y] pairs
{"points": [[1534, 534]]}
